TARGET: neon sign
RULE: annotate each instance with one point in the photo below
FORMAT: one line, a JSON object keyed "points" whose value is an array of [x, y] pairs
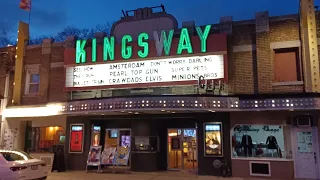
{"points": [[163, 45]]}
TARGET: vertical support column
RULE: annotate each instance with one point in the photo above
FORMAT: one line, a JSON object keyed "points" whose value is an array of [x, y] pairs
{"points": [[264, 63], [226, 26], [23, 37], [310, 47], [44, 71]]}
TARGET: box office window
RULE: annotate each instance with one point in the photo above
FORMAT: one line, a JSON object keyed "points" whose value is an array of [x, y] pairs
{"points": [[254, 141], [286, 65], [44, 139]]}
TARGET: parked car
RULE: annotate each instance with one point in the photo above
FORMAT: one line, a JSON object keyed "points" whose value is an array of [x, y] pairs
{"points": [[18, 165]]}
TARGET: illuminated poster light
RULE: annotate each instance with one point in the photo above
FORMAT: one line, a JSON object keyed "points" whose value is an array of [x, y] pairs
{"points": [[151, 71]]}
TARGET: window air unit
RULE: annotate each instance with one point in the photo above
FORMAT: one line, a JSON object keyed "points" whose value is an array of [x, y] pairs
{"points": [[302, 121]]}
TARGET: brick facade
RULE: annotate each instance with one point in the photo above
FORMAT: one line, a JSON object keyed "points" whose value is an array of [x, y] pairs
{"points": [[250, 61]]}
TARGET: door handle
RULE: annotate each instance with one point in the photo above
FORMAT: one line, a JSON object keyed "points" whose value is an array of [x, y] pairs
{"points": [[315, 157]]}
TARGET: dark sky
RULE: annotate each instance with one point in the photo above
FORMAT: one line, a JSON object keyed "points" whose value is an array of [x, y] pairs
{"points": [[50, 16]]}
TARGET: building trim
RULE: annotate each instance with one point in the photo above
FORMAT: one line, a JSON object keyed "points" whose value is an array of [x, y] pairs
{"points": [[290, 83], [285, 44], [164, 104], [56, 64], [52, 65], [244, 48]]}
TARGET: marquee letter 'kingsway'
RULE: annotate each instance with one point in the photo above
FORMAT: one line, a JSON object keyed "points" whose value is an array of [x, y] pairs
{"points": [[80, 51]]}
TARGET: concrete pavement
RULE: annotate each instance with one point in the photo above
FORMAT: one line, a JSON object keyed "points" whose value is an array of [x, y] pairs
{"points": [[80, 175]]}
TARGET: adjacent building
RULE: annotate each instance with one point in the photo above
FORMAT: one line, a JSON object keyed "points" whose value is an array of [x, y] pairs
{"points": [[241, 93]]}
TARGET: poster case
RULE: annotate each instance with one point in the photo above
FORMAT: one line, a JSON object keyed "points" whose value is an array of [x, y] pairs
{"points": [[76, 139], [95, 135], [213, 139]]}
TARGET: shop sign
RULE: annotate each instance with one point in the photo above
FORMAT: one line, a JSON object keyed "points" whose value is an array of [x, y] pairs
{"points": [[163, 45], [153, 71]]}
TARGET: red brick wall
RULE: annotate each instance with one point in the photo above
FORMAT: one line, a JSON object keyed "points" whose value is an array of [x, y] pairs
{"points": [[241, 70], [242, 75], [52, 89], [56, 85]]}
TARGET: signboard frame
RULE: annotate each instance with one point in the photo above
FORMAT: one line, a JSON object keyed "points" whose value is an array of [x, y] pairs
{"points": [[222, 73]]}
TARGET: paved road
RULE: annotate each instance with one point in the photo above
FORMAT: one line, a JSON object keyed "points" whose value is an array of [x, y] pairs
{"points": [[79, 175]]}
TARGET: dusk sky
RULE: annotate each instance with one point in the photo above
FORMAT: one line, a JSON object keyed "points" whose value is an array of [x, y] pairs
{"points": [[50, 16]]}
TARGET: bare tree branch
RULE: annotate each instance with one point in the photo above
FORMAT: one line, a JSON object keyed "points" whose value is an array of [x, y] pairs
{"points": [[5, 38]]}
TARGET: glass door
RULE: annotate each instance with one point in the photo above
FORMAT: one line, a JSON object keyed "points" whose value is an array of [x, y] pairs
{"points": [[306, 148], [175, 150], [182, 149]]}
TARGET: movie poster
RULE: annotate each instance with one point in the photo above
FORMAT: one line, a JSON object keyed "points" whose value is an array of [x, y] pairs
{"points": [[107, 156], [95, 136], [76, 138], [94, 156], [122, 156], [213, 139]]}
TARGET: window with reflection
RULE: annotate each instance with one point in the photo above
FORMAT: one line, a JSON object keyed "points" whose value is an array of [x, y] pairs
{"points": [[44, 139], [267, 141]]}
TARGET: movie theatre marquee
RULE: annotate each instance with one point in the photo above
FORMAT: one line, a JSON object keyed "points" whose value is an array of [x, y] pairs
{"points": [[152, 71], [124, 69]]}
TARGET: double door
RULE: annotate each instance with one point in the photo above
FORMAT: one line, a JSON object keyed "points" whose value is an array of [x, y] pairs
{"points": [[182, 149]]}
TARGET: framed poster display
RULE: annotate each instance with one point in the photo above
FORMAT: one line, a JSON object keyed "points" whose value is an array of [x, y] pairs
{"points": [[213, 139], [96, 135], [76, 138]]}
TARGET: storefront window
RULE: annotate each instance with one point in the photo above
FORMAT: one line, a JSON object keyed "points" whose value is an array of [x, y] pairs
{"points": [[44, 139], [265, 141], [213, 139]]}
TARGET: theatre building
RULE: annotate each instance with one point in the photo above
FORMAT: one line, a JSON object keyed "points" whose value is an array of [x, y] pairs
{"points": [[237, 97]]}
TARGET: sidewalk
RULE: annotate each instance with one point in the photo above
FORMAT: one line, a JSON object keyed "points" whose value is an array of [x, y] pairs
{"points": [[80, 175]]}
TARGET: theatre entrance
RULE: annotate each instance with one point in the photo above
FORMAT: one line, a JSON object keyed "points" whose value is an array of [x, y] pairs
{"points": [[182, 150]]}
